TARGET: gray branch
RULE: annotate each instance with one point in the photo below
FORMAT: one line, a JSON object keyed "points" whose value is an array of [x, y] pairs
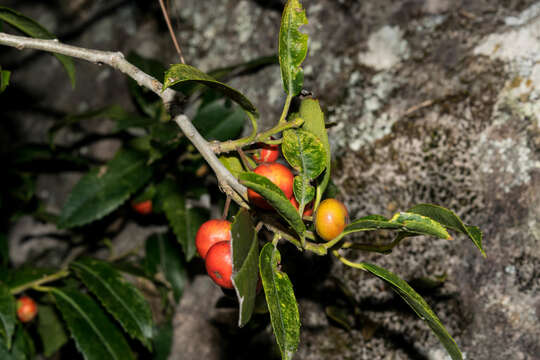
{"points": [[116, 60]]}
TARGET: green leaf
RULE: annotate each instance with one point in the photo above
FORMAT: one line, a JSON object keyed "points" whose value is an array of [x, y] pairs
{"points": [[23, 345], [118, 296], [51, 330], [180, 73], [304, 152], [216, 121], [35, 30], [102, 190], [303, 191], [185, 222], [293, 47], [7, 314], [4, 79], [340, 315], [162, 256], [419, 305], [163, 341], [245, 252], [94, 334], [420, 224], [371, 222], [24, 275], [281, 301], [449, 219], [232, 163], [313, 116], [275, 197]]}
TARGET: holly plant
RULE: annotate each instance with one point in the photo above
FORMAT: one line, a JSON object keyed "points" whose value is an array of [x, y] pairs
{"points": [[277, 180]]}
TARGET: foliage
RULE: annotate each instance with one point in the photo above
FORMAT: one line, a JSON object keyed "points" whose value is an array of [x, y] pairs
{"points": [[90, 300]]}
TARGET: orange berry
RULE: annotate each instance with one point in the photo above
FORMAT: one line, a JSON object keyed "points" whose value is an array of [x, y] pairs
{"points": [[219, 264], [267, 153], [26, 309], [308, 209], [279, 175], [210, 233], [143, 207], [330, 219]]}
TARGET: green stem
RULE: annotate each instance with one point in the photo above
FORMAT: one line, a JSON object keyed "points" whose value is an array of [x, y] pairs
{"points": [[37, 283], [348, 262], [285, 111]]}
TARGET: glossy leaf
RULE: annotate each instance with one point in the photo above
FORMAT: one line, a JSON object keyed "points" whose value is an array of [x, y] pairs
{"points": [[163, 256], [23, 345], [51, 330], [293, 46], [180, 73], [102, 190], [25, 275], [184, 222], [7, 314], [449, 219], [370, 222], [35, 30], [281, 301], [420, 224], [419, 305], [4, 79], [232, 163], [216, 121], [119, 297], [163, 341], [275, 197], [304, 192], [94, 334], [313, 116], [245, 256], [304, 152]]}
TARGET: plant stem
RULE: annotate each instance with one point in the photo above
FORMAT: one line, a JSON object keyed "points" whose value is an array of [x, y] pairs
{"points": [[283, 118], [226, 208], [348, 262], [171, 31], [32, 284]]}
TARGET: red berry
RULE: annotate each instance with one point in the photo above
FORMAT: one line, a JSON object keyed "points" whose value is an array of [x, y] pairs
{"points": [[308, 209], [143, 207], [211, 232], [330, 219], [219, 264], [267, 153], [279, 175], [26, 309]]}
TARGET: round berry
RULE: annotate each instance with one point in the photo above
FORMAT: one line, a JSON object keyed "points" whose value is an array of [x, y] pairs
{"points": [[211, 232], [330, 219], [26, 309], [219, 264], [266, 153], [280, 175], [143, 207]]}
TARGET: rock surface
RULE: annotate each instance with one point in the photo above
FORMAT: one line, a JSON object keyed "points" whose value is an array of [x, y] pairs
{"points": [[434, 100]]}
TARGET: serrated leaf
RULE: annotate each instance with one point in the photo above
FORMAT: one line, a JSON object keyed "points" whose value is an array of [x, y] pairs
{"points": [[162, 256], [185, 222], [7, 314], [303, 191], [313, 116], [23, 346], [281, 301], [102, 190], [24, 275], [420, 224], [35, 30], [304, 152], [275, 197], [94, 334], [293, 47], [449, 219], [181, 73], [4, 79], [245, 253], [216, 121], [119, 297], [419, 305], [51, 330]]}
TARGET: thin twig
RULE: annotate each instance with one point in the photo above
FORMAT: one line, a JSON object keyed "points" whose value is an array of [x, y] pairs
{"points": [[171, 31], [43, 280], [227, 181], [226, 208]]}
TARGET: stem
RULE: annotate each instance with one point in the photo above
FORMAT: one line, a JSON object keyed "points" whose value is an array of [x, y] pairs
{"points": [[244, 159], [228, 183], [226, 208], [348, 262], [265, 136], [171, 31], [36, 283], [283, 118]]}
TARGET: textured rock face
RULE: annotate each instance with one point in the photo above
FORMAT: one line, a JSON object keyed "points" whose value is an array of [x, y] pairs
{"points": [[434, 100]]}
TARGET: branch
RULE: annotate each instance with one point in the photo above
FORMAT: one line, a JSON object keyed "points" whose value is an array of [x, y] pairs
{"points": [[116, 60]]}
